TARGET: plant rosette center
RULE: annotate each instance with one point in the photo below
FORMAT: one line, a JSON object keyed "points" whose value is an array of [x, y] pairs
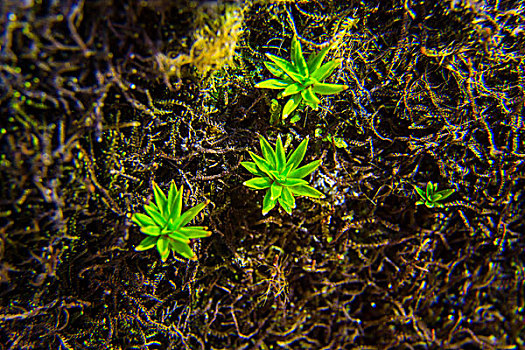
{"points": [[278, 178], [309, 82]]}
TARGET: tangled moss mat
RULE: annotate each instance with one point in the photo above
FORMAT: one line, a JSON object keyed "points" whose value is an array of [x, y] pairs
{"points": [[99, 99]]}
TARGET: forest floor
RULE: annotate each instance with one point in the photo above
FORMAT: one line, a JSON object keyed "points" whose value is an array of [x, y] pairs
{"points": [[99, 100]]}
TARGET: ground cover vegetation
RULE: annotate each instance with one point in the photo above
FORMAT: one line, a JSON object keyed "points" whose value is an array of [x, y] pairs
{"points": [[106, 105], [431, 197], [281, 175], [301, 79], [165, 224]]}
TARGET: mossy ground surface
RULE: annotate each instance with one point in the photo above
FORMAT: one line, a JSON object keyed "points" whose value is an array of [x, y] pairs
{"points": [[100, 98]]}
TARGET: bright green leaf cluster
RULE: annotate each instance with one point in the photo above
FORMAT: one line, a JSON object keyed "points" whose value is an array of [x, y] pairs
{"points": [[431, 197], [301, 79], [165, 224], [281, 175]]}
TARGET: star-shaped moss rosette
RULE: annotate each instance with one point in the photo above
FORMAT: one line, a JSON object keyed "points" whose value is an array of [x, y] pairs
{"points": [[165, 224], [280, 175], [431, 196], [301, 79]]}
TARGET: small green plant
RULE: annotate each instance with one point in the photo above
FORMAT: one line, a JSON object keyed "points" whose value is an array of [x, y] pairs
{"points": [[301, 79], [280, 175], [338, 142], [166, 226], [431, 197]]}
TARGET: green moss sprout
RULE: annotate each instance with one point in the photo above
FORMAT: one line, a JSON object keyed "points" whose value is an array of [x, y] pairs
{"points": [[165, 224], [431, 196], [280, 175], [301, 79]]}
